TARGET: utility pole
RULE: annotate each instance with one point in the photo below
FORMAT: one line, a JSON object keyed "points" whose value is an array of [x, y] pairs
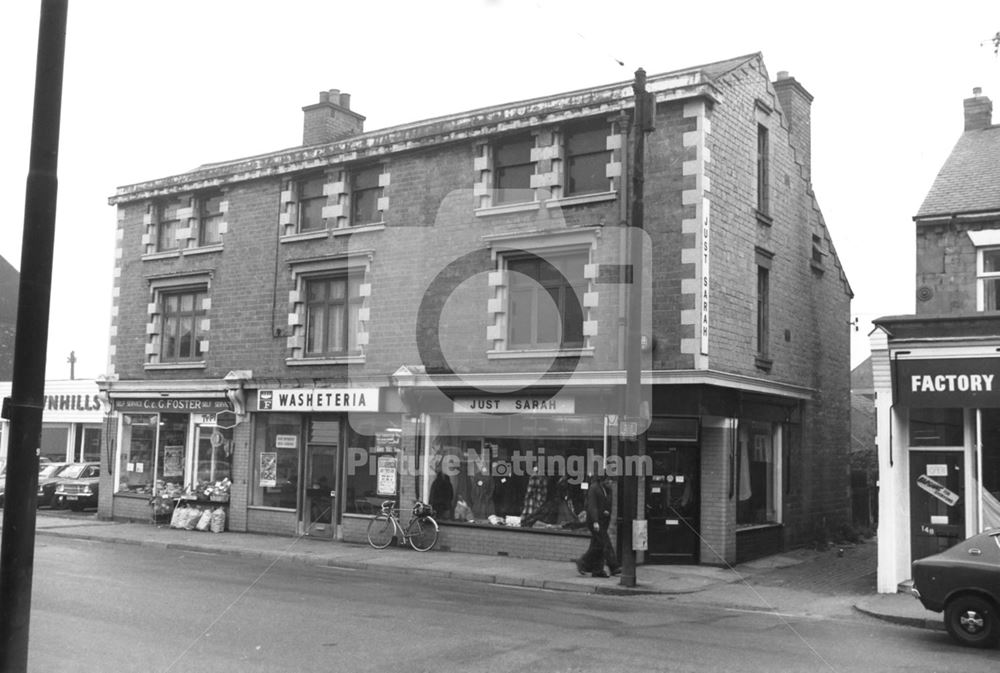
{"points": [[24, 407], [641, 125]]}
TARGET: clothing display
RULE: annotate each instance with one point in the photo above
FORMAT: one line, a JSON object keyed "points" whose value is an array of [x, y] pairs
{"points": [[535, 495], [441, 496]]}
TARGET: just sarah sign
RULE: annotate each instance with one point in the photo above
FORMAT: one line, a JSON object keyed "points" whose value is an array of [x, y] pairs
{"points": [[958, 382]]}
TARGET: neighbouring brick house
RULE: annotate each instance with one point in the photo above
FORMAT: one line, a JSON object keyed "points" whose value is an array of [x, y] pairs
{"points": [[935, 373], [435, 310]]}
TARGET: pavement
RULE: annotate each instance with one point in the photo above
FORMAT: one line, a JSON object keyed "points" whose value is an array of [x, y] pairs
{"points": [[837, 582]]}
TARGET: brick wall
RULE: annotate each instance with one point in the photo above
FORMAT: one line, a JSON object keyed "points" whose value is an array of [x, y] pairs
{"points": [[946, 268]]}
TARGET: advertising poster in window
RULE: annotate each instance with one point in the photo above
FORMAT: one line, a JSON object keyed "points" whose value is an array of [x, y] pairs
{"points": [[269, 469], [173, 461], [386, 475]]}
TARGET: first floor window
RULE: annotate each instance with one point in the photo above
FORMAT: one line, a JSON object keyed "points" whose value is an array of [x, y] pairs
{"points": [[546, 300], [209, 219], [587, 159], [365, 191], [311, 199], [275, 467], [332, 305], [512, 168], [168, 222], [989, 278], [758, 473], [181, 335], [763, 309], [763, 170]]}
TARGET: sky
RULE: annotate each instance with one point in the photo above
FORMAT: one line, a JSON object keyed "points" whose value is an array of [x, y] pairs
{"points": [[153, 89]]}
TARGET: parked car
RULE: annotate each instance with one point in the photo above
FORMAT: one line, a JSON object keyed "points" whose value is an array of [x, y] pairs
{"points": [[48, 475], [77, 486], [42, 463], [964, 583]]}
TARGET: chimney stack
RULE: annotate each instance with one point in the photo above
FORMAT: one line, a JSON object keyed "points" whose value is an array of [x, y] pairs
{"points": [[330, 119], [978, 111], [796, 105]]}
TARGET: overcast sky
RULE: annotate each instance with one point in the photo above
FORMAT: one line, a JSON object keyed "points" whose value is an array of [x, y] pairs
{"points": [[153, 89]]}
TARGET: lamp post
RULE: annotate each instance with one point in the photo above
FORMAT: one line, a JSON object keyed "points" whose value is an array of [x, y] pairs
{"points": [[642, 124]]}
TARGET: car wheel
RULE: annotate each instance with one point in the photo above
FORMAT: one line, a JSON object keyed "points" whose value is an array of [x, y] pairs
{"points": [[972, 620]]}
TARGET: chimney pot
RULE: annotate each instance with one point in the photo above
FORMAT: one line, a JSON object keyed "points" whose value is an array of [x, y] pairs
{"points": [[345, 101], [782, 74], [324, 97], [977, 90]]}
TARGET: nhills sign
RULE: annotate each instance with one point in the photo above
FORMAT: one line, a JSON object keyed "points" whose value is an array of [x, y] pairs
{"points": [[942, 383]]}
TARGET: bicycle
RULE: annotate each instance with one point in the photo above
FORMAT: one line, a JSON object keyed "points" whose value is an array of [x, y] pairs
{"points": [[421, 531]]}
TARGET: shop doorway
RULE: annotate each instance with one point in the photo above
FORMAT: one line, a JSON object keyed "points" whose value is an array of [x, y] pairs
{"points": [[673, 504], [319, 497], [937, 501]]}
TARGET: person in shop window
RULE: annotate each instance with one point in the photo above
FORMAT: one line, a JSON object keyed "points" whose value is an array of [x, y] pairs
{"points": [[600, 552]]}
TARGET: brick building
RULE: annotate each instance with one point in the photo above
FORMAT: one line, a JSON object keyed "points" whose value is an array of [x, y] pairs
{"points": [[935, 372], [435, 310]]}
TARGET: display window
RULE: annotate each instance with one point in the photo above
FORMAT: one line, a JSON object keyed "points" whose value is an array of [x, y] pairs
{"points": [[157, 458], [136, 458], [55, 437], [278, 438], [517, 471], [376, 444], [758, 474]]}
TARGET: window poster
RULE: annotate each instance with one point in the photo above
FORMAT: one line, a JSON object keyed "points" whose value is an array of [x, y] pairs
{"points": [[173, 461], [386, 475], [269, 468]]}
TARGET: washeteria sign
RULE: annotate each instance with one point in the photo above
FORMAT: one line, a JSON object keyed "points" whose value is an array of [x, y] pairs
{"points": [[947, 382], [318, 399]]}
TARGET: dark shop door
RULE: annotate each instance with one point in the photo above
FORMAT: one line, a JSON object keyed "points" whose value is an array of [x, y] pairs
{"points": [[937, 501], [673, 505]]}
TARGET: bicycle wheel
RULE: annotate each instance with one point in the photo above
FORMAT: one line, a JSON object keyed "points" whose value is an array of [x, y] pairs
{"points": [[423, 533], [381, 531]]}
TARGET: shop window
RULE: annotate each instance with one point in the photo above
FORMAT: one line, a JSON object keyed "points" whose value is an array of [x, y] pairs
{"points": [[275, 466], [516, 472], [587, 159], [758, 473], [332, 309], [991, 468], [512, 167], [372, 438], [214, 452], [170, 451], [310, 201], [210, 217], [181, 336], [55, 442], [365, 192], [988, 267], [90, 444], [936, 427], [545, 300], [136, 454]]}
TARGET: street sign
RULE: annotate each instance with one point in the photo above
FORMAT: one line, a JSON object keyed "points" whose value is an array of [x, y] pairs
{"points": [[226, 420]]}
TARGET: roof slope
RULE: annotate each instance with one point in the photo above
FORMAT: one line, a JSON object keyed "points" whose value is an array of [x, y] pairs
{"points": [[969, 181]]}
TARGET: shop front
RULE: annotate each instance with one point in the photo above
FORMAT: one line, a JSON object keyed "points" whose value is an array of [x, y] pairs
{"points": [[939, 446], [321, 457], [73, 421], [170, 447]]}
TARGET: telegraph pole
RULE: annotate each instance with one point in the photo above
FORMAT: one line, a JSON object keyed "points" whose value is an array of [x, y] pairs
{"points": [[24, 407], [642, 124]]}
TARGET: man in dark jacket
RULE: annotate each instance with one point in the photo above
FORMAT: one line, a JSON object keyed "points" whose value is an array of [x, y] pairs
{"points": [[600, 551]]}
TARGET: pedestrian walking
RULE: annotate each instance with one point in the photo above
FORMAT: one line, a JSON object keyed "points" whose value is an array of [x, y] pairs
{"points": [[600, 552]]}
